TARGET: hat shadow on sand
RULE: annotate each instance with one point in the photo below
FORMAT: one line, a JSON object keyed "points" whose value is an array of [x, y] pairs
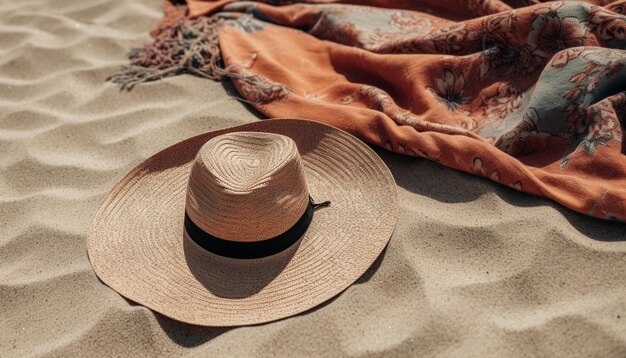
{"points": [[234, 278]]}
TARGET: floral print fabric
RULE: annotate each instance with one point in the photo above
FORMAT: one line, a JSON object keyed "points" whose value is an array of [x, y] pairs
{"points": [[529, 94]]}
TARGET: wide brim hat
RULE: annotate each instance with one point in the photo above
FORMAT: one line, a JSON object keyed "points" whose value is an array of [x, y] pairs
{"points": [[138, 245]]}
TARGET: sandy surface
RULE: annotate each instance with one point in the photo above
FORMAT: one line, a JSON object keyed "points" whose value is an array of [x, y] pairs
{"points": [[473, 268]]}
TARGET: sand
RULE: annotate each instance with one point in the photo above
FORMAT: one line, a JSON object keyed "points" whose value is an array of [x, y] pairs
{"points": [[473, 268]]}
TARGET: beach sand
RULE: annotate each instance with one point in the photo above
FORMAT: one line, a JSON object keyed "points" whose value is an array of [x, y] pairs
{"points": [[473, 269]]}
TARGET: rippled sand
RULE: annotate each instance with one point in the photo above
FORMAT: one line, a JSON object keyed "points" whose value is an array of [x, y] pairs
{"points": [[473, 268]]}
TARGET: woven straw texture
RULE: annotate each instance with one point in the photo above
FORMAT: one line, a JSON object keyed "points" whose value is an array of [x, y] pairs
{"points": [[137, 244], [240, 180]]}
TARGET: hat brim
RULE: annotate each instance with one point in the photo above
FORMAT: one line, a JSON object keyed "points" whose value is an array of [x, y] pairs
{"points": [[138, 246]]}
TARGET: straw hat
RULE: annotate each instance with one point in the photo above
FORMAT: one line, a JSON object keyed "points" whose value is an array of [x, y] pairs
{"points": [[245, 225]]}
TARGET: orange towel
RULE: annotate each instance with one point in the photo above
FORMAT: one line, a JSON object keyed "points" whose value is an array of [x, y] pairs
{"points": [[531, 95]]}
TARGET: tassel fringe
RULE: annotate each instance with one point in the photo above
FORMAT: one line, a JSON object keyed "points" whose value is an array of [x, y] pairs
{"points": [[188, 46]]}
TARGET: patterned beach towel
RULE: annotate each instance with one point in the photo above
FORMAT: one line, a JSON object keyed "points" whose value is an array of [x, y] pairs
{"points": [[529, 94]]}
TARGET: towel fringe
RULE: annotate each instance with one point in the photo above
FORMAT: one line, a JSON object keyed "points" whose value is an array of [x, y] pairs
{"points": [[191, 46], [187, 46]]}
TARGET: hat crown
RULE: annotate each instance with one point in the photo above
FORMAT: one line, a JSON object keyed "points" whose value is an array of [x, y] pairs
{"points": [[247, 186]]}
